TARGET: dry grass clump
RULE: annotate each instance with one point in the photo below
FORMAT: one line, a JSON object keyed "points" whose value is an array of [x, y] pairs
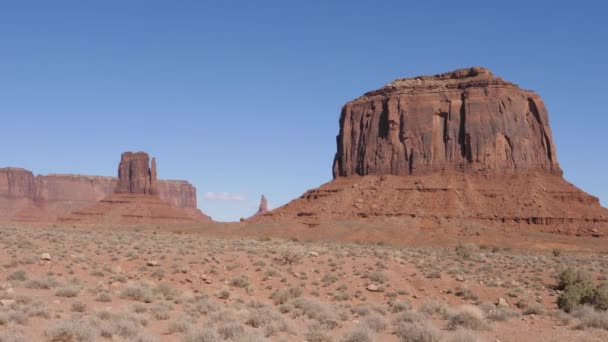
{"points": [[43, 283], [19, 275], [359, 334], [417, 332], [202, 335], [467, 316], [590, 318], [71, 330], [137, 291]]}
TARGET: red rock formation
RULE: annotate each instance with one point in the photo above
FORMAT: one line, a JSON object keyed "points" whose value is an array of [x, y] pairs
{"points": [[466, 120], [263, 208], [463, 148], [263, 205], [17, 182], [134, 174], [24, 197], [135, 198]]}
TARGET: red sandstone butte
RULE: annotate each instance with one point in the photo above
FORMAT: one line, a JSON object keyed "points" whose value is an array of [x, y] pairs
{"points": [[135, 199], [459, 149], [135, 176], [44, 198]]}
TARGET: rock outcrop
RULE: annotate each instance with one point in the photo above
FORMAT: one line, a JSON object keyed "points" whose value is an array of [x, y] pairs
{"points": [[467, 120], [135, 176], [459, 149], [17, 182], [262, 209], [136, 199], [25, 197]]}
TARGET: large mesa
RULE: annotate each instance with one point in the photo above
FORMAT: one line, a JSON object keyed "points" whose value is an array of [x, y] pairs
{"points": [[466, 120], [454, 150]]}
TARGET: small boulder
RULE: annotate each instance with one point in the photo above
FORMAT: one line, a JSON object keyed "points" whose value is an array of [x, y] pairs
{"points": [[502, 303], [45, 256], [152, 263], [373, 288]]}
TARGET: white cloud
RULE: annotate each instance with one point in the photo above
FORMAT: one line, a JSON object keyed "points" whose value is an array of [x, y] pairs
{"points": [[224, 196]]}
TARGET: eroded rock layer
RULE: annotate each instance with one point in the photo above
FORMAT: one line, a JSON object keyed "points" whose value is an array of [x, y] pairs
{"points": [[467, 120]]}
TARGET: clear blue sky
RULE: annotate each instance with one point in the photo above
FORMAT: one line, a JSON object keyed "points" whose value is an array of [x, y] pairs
{"points": [[244, 97]]}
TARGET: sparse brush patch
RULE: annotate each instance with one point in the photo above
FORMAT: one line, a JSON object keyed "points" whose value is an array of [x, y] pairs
{"points": [[72, 330], [315, 333], [241, 282], [417, 332], [67, 292], [44, 283], [282, 296], [231, 331], [590, 318], [375, 322], [138, 292], [501, 314], [467, 316], [19, 275], [78, 306], [202, 335], [534, 309], [463, 335], [359, 334]]}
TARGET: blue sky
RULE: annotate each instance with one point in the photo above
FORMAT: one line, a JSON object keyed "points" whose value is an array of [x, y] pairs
{"points": [[243, 97]]}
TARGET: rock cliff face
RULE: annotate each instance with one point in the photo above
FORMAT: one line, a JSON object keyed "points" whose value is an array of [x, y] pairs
{"points": [[24, 196], [17, 182], [136, 198], [467, 120], [462, 149], [135, 176]]}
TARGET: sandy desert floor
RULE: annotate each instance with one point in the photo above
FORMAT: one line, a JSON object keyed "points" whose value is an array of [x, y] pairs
{"points": [[134, 284]]}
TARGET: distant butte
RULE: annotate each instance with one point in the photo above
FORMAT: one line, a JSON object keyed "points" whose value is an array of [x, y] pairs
{"points": [[45, 198], [462, 148]]}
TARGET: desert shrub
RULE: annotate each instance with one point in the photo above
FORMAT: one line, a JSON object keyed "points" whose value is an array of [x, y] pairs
{"points": [[316, 333], [534, 309], [67, 291], [318, 311], [375, 322], [202, 335], [79, 306], [590, 318], [19, 275], [501, 314], [282, 296], [467, 316], [417, 332], [359, 334], [73, 330], [290, 255], [181, 325], [231, 331], [463, 251], [241, 282], [43, 283], [400, 306], [138, 292], [462, 335], [575, 295], [465, 293]]}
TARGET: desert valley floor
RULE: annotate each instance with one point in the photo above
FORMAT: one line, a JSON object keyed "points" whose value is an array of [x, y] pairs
{"points": [[212, 283]]}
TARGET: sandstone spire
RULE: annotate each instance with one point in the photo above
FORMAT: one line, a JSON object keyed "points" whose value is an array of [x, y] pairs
{"points": [[135, 175]]}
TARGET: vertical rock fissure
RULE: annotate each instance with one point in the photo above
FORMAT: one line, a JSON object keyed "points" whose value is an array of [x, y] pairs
{"points": [[462, 135], [546, 142]]}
